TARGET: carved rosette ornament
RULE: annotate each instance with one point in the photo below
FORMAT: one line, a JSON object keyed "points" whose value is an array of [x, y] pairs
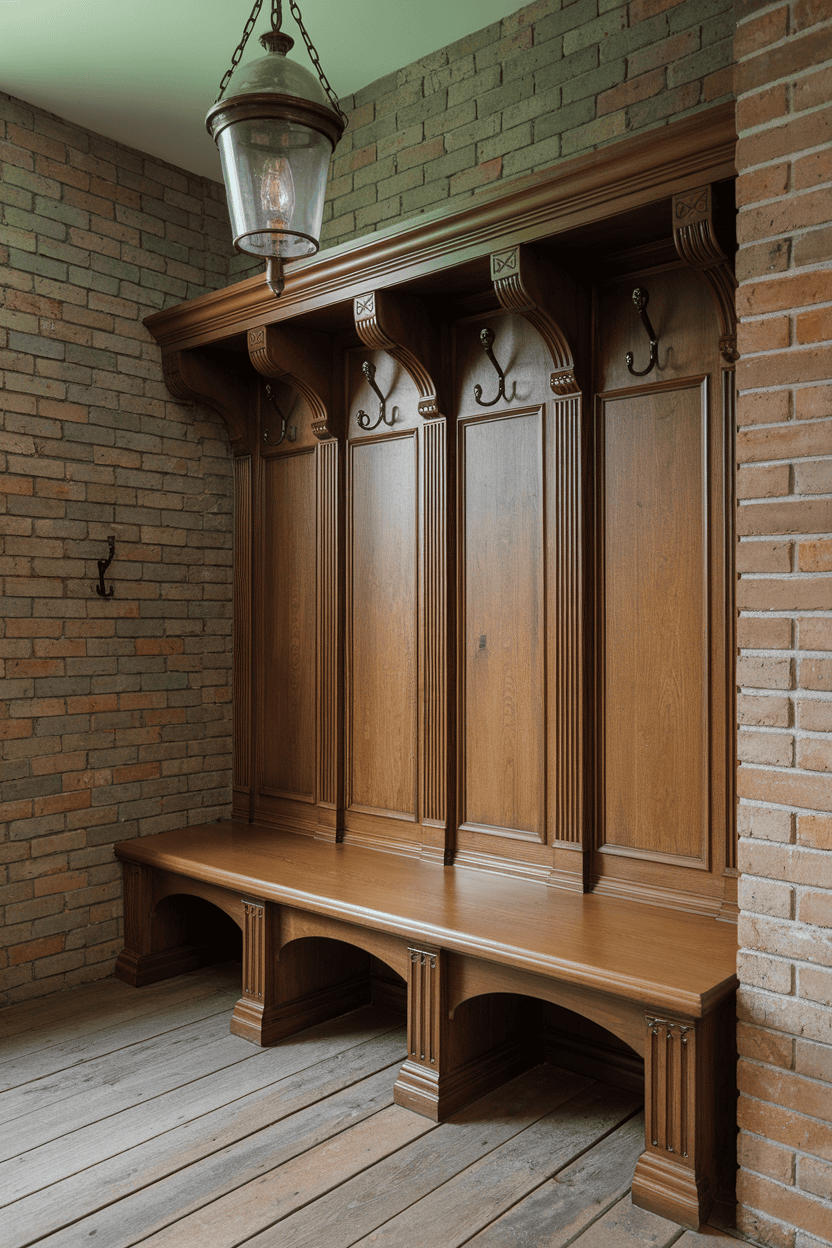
{"points": [[696, 242], [399, 325]]}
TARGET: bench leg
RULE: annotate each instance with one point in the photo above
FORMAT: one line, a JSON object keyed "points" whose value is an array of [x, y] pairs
{"points": [[687, 1101], [155, 947], [286, 990], [452, 1061], [253, 1016]]}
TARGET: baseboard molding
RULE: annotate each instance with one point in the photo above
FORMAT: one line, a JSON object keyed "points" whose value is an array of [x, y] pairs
{"points": [[389, 994], [622, 1069], [140, 969], [266, 1024], [437, 1096]]}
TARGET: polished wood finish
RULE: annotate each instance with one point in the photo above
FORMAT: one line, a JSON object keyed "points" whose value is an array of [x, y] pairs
{"points": [[483, 739], [663, 620], [617, 947], [577, 192], [461, 937]]}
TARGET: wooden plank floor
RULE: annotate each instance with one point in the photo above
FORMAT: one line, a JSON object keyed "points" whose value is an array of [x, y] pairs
{"points": [[134, 1117]]}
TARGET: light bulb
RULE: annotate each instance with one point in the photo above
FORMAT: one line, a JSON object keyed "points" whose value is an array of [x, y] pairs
{"points": [[277, 193]]}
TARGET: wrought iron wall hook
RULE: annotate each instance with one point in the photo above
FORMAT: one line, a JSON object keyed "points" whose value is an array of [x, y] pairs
{"points": [[641, 299], [103, 565], [291, 432], [487, 340], [369, 371]]}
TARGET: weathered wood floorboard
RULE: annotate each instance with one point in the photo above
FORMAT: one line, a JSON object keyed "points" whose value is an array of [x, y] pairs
{"points": [[360, 1206], [449, 1216], [63, 1059], [206, 1182], [94, 1101], [58, 1019], [555, 1212], [154, 1126], [250, 1087], [626, 1226]]}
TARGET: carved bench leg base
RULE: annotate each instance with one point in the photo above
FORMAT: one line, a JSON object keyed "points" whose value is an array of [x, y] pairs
{"points": [[438, 1095], [671, 1190], [688, 1076], [452, 1061]]}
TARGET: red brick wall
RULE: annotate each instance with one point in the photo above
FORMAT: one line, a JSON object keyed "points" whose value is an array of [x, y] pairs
{"points": [[555, 78], [783, 53], [114, 714]]}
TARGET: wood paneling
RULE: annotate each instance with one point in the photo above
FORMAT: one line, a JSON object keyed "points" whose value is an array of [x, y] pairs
{"points": [[662, 479], [502, 643], [433, 769], [383, 603], [330, 720], [288, 660], [655, 620]]}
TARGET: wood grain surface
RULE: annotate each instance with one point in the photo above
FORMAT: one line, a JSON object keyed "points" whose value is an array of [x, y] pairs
{"points": [[658, 957]]}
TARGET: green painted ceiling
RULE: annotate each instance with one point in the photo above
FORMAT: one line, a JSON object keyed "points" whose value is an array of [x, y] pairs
{"points": [[145, 72]]}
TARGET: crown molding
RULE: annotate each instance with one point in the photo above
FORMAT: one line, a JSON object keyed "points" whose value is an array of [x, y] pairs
{"points": [[578, 191]]}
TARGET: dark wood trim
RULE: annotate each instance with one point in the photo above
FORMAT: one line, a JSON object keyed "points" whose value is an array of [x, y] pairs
{"points": [[628, 174]]}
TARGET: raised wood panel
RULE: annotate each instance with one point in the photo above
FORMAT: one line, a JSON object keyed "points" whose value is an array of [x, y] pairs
{"points": [[655, 752], [383, 607], [288, 658], [662, 472], [502, 659]]}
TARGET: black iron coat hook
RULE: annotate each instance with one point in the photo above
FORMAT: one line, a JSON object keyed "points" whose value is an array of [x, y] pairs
{"points": [[369, 371], [103, 565], [641, 299], [487, 340], [291, 432]]}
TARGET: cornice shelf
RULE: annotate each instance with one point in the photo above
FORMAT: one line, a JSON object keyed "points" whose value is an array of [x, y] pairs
{"points": [[576, 193]]}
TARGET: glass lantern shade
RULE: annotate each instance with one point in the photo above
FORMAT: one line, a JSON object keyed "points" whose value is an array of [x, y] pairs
{"points": [[275, 131], [276, 182]]}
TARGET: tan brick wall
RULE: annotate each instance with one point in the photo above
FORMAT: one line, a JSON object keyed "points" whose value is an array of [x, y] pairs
{"points": [[784, 66], [555, 78], [114, 714]]}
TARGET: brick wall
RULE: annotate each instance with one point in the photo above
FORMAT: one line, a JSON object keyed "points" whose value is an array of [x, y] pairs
{"points": [[555, 78], [783, 53], [114, 715]]}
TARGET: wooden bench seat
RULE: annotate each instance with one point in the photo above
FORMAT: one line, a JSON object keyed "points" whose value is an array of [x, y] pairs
{"points": [[663, 981]]}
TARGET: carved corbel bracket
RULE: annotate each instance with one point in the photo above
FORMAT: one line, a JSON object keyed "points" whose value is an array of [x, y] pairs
{"points": [[387, 320], [525, 283], [303, 359], [196, 377], [696, 242]]}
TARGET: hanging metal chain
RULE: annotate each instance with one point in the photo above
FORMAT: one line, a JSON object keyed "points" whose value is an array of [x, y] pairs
{"points": [[316, 61], [241, 46], [277, 18]]}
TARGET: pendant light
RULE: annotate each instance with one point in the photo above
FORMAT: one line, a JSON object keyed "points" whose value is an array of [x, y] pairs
{"points": [[276, 130]]}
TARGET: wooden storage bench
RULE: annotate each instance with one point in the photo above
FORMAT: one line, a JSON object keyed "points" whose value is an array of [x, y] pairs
{"points": [[661, 980]]}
